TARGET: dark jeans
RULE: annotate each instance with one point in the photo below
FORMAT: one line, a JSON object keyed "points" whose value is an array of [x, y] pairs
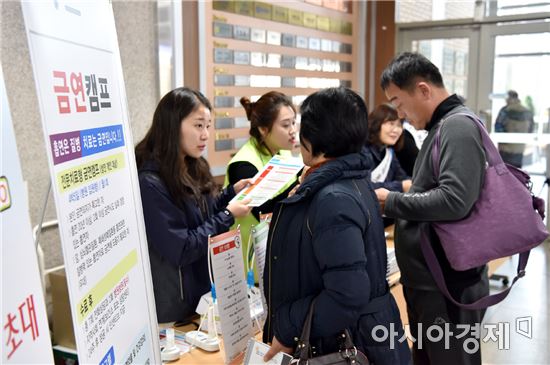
{"points": [[514, 159], [437, 315]]}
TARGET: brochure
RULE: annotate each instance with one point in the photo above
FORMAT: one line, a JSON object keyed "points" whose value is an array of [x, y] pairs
{"points": [[278, 172]]}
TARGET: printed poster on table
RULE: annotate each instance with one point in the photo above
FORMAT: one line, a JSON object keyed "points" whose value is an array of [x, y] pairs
{"points": [[25, 331], [275, 175], [78, 75], [231, 292]]}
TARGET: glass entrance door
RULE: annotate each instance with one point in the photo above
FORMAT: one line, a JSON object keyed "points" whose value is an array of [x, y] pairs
{"points": [[516, 59], [482, 62]]}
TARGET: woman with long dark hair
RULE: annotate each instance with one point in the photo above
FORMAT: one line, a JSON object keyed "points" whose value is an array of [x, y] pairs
{"points": [[181, 202]]}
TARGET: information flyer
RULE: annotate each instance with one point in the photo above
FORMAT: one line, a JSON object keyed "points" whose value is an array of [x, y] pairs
{"points": [[25, 331], [259, 235], [231, 292], [277, 173], [78, 75]]}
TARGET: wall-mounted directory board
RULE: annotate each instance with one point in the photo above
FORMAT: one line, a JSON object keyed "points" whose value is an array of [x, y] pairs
{"points": [[252, 47]]}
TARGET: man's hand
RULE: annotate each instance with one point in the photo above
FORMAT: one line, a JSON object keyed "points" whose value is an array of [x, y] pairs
{"points": [[406, 185], [382, 195], [277, 347]]}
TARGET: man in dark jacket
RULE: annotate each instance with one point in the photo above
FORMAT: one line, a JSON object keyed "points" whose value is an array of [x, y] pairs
{"points": [[415, 86]]}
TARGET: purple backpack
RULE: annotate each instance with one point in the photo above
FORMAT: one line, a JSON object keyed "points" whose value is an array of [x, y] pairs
{"points": [[505, 220]]}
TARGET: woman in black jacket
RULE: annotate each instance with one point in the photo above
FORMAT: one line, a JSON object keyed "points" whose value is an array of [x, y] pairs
{"points": [[181, 202], [327, 241], [385, 138]]}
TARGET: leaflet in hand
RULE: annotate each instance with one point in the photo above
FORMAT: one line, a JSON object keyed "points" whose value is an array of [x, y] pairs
{"points": [[255, 355], [278, 172]]}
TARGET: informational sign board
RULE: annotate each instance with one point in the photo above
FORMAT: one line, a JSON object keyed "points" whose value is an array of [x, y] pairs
{"points": [[277, 173], [25, 332], [231, 292], [78, 75]]}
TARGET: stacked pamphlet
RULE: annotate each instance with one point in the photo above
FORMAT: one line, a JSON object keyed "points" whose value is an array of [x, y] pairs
{"points": [[256, 350], [392, 263]]}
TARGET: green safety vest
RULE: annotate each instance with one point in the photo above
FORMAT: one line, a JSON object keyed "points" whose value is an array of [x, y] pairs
{"points": [[249, 153]]}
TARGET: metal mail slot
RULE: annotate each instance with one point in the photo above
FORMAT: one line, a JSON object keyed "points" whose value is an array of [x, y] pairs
{"points": [[301, 63], [346, 48], [241, 122], [315, 64], [257, 35], [273, 38], [224, 101], [223, 30], [315, 44], [345, 83], [301, 42], [345, 66], [336, 46], [288, 82], [224, 123], [242, 33], [288, 40], [223, 145], [224, 80], [258, 59], [241, 58], [288, 61], [242, 80], [223, 55]]}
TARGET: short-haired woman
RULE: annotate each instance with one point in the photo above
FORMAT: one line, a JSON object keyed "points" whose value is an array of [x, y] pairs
{"points": [[326, 242], [386, 136]]}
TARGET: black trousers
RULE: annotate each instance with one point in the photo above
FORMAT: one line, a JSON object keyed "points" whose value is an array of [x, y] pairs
{"points": [[514, 159], [432, 316]]}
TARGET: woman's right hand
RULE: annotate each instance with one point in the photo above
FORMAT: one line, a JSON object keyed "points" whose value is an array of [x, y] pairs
{"points": [[241, 184], [240, 208]]}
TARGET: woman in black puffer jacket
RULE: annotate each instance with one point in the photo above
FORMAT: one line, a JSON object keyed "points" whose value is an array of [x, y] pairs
{"points": [[327, 241]]}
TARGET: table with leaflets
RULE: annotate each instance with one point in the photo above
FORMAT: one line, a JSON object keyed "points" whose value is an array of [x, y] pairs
{"points": [[199, 356]]}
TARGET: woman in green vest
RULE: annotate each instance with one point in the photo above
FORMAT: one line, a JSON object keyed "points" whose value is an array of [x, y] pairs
{"points": [[272, 131]]}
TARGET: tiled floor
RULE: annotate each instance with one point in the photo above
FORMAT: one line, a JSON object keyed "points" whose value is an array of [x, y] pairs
{"points": [[528, 299]]}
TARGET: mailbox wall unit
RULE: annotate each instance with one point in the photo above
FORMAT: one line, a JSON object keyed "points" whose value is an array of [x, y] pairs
{"points": [[296, 47]]}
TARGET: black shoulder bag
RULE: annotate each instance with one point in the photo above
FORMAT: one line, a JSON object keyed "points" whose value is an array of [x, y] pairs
{"points": [[347, 355]]}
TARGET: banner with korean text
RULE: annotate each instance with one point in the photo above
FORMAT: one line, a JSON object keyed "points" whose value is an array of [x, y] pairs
{"points": [[78, 75], [233, 305], [25, 332]]}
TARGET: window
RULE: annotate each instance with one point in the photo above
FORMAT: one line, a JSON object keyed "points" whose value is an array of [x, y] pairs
{"points": [[516, 7], [415, 11]]}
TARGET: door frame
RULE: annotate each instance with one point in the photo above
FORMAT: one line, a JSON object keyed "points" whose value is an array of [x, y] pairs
{"points": [[406, 36], [480, 60]]}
